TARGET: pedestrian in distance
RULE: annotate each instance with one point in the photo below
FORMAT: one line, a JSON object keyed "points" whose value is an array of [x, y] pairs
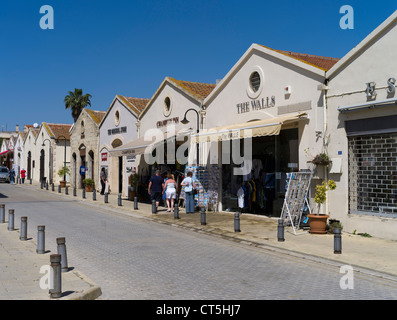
{"points": [[156, 186], [170, 192], [23, 175], [189, 185], [12, 176], [104, 179]]}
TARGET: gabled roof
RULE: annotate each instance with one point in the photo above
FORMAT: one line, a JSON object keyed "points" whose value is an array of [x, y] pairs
{"points": [[97, 116], [312, 63], [57, 130], [33, 130], [134, 105], [362, 46], [196, 90]]}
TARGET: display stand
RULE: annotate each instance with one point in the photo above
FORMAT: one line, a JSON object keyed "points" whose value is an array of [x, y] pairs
{"points": [[298, 184]]}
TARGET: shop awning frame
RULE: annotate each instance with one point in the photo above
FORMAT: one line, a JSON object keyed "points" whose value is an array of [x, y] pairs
{"points": [[247, 129], [368, 105], [5, 152]]}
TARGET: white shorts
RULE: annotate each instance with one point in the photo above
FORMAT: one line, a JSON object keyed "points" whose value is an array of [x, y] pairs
{"points": [[170, 193]]}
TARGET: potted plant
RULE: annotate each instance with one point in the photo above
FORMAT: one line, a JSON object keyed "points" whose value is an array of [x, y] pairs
{"points": [[89, 184], [317, 221], [133, 184], [321, 159], [62, 173]]}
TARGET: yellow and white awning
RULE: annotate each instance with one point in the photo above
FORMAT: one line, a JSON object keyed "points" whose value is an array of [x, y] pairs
{"points": [[251, 129]]}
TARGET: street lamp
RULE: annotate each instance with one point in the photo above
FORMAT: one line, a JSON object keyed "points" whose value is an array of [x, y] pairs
{"points": [[186, 121], [64, 156], [50, 157]]}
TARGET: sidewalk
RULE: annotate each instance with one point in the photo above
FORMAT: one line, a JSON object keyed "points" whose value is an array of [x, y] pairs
{"points": [[366, 255]]}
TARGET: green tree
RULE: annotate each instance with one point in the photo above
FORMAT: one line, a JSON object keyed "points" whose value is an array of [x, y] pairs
{"points": [[76, 101]]}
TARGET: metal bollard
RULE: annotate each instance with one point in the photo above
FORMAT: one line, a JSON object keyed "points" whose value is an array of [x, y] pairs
{"points": [[119, 200], [46, 186], [52, 186], [62, 251], [280, 230], [2, 213], [11, 219], [237, 222], [202, 218], [154, 208], [74, 192], [66, 190], [41, 185], [56, 291], [30, 181], [337, 241], [83, 193], [24, 229], [40, 239], [135, 203], [94, 195], [176, 210], [106, 197], [59, 189]]}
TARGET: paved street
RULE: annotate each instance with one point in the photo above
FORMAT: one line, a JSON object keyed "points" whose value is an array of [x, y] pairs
{"points": [[133, 258]]}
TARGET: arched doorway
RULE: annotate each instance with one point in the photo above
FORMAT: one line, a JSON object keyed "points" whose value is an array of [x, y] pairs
{"points": [[83, 165], [30, 176], [118, 167], [42, 157], [74, 170]]}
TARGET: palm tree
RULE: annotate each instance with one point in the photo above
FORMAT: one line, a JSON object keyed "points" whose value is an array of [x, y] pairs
{"points": [[77, 102]]}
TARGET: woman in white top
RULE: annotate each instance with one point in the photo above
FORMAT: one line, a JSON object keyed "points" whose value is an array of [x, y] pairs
{"points": [[170, 192]]}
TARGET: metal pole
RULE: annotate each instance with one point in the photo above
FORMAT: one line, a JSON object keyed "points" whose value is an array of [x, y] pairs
{"points": [[176, 210], [202, 218], [2, 212], [94, 195], [119, 200], [135, 203], [106, 197], [11, 219], [46, 185], [83, 193], [52, 186], [56, 291], [24, 229], [237, 222], [59, 188], [154, 208], [62, 251], [337, 241], [74, 192], [40, 239], [280, 230], [66, 190]]}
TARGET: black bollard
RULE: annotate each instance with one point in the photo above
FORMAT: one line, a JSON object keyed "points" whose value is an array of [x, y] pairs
{"points": [[94, 195], [56, 291], [11, 219], [62, 251], [119, 200], [106, 197], [154, 208], [2, 213], [83, 193], [337, 241], [176, 210], [66, 190], [280, 230], [41, 185], [46, 186], [52, 186], [24, 229], [74, 192], [135, 203], [237, 222], [30, 181], [202, 217], [40, 239], [59, 189]]}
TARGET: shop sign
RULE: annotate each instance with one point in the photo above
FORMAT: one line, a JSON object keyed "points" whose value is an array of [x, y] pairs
{"points": [[371, 87], [167, 122], [255, 105], [104, 156], [117, 130]]}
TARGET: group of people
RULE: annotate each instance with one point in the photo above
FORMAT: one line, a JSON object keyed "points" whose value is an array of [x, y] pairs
{"points": [[13, 174], [158, 187]]}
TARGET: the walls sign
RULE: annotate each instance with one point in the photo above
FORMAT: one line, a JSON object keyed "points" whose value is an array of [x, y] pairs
{"points": [[255, 105]]}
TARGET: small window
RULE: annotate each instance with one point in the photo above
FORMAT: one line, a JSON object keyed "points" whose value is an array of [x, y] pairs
{"points": [[255, 81], [167, 106], [117, 117]]}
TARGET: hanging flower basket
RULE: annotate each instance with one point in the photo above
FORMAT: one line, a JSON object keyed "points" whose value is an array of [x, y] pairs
{"points": [[321, 159]]}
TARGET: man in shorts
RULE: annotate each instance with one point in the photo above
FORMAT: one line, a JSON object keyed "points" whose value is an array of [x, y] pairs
{"points": [[155, 189]]}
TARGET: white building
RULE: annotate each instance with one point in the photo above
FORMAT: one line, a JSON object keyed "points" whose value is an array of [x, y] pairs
{"points": [[29, 146], [362, 125]]}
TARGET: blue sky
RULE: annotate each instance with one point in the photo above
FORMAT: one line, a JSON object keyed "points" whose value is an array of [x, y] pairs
{"points": [[129, 47]]}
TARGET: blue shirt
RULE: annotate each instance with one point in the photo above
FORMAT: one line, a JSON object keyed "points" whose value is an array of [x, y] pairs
{"points": [[189, 186], [157, 183]]}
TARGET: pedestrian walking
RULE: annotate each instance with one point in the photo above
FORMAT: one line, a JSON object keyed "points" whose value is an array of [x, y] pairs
{"points": [[156, 186], [23, 175], [189, 185], [104, 179], [170, 192], [12, 176]]}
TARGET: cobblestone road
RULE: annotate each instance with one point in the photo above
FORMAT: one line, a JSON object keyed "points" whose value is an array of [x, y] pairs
{"points": [[132, 258]]}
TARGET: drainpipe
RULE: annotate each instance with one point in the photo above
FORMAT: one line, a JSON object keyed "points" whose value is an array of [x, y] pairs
{"points": [[325, 90]]}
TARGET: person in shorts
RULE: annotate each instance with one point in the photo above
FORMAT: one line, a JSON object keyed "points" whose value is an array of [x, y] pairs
{"points": [[170, 192], [156, 186]]}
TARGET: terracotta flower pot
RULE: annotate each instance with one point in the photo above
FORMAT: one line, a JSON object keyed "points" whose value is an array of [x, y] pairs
{"points": [[89, 188], [318, 223], [62, 183]]}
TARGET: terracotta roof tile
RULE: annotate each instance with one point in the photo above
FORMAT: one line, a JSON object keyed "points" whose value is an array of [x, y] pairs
{"points": [[58, 130], [97, 116], [200, 90], [135, 104]]}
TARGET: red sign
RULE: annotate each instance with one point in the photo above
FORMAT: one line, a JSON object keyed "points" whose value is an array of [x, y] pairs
{"points": [[104, 156]]}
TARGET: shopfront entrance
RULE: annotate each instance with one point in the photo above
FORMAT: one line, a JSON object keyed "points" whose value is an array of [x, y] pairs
{"points": [[262, 190]]}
